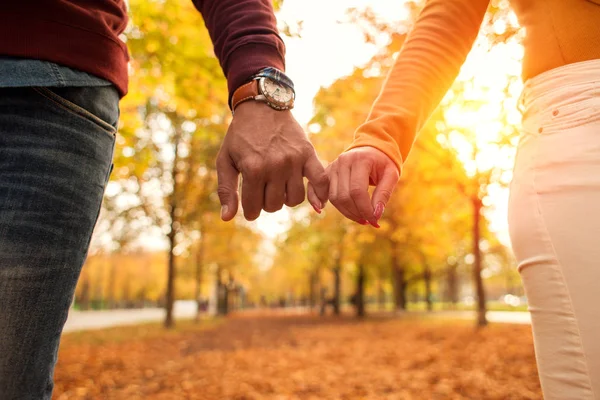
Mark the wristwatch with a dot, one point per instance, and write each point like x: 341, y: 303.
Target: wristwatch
x: 270, y: 86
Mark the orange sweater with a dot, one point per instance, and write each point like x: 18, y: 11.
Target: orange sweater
x: 558, y: 32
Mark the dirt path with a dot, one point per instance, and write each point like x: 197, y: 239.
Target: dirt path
x: 304, y: 357
x: 88, y: 320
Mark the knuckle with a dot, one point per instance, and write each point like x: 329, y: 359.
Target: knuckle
x: 253, y: 169
x: 333, y: 197
x: 221, y: 161
x: 289, y: 159
x: 386, y: 194
x: 345, y: 200
x: 321, y: 180
x: 347, y: 157
x: 307, y: 148
x: 223, y: 192
x: 280, y: 163
x: 356, y: 192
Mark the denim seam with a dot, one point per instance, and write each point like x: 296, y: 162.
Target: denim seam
x: 564, y: 280
x: 73, y: 108
x: 57, y: 75
x: 72, y: 82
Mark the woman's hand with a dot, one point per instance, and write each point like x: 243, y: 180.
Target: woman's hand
x: 349, y: 178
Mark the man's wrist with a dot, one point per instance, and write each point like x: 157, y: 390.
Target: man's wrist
x: 276, y: 75
x: 269, y: 85
x: 258, y: 107
x: 247, y: 60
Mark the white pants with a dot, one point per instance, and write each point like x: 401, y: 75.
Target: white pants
x: 554, y: 219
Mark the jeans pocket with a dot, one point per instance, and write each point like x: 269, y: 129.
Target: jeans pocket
x: 99, y: 105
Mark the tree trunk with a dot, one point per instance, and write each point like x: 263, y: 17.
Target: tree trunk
x: 126, y: 298
x: 510, y: 287
x: 199, y: 270
x: 323, y: 301
x: 222, y: 294
x: 174, y: 225
x: 84, y: 296
x: 225, y: 301
x: 312, y: 292
x: 83, y: 299
x: 399, y: 283
x: 171, y: 273
x: 112, y: 282
x: 231, y: 294
x: 316, y: 288
x: 360, y: 292
x: 221, y: 299
x: 141, y: 300
x: 428, y: 294
x: 480, y: 290
x: 336, y: 287
x: 453, y: 284
x: 98, y: 299
x: 380, y: 294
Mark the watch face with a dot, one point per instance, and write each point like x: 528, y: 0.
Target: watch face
x: 276, y: 93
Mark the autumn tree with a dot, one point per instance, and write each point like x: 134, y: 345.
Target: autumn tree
x: 172, y: 120
x: 436, y: 220
x: 476, y: 120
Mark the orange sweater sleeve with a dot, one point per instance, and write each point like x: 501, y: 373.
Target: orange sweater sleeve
x: 425, y: 69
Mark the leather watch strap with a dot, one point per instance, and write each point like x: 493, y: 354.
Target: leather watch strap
x: 245, y: 92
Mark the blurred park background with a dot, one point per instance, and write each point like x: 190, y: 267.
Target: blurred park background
x: 296, y: 304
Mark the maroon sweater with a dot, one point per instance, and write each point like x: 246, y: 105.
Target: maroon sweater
x: 84, y: 34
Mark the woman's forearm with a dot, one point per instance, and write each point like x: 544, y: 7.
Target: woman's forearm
x: 425, y: 69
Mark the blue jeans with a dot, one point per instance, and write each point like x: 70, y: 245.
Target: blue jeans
x: 56, y: 147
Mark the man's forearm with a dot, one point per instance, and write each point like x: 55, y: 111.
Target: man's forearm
x: 245, y: 37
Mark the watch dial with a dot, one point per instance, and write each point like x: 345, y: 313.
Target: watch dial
x: 278, y: 92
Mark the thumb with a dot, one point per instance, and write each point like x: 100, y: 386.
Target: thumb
x: 384, y: 189
x: 315, y: 172
x: 228, y: 178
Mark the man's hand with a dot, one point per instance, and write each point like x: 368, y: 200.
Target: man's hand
x: 273, y: 154
x: 350, y: 175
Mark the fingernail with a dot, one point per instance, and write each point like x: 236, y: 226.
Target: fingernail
x: 224, y: 210
x: 363, y: 222
x: 317, y: 208
x: 379, y: 209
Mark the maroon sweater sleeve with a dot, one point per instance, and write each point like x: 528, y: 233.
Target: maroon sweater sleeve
x: 245, y: 37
